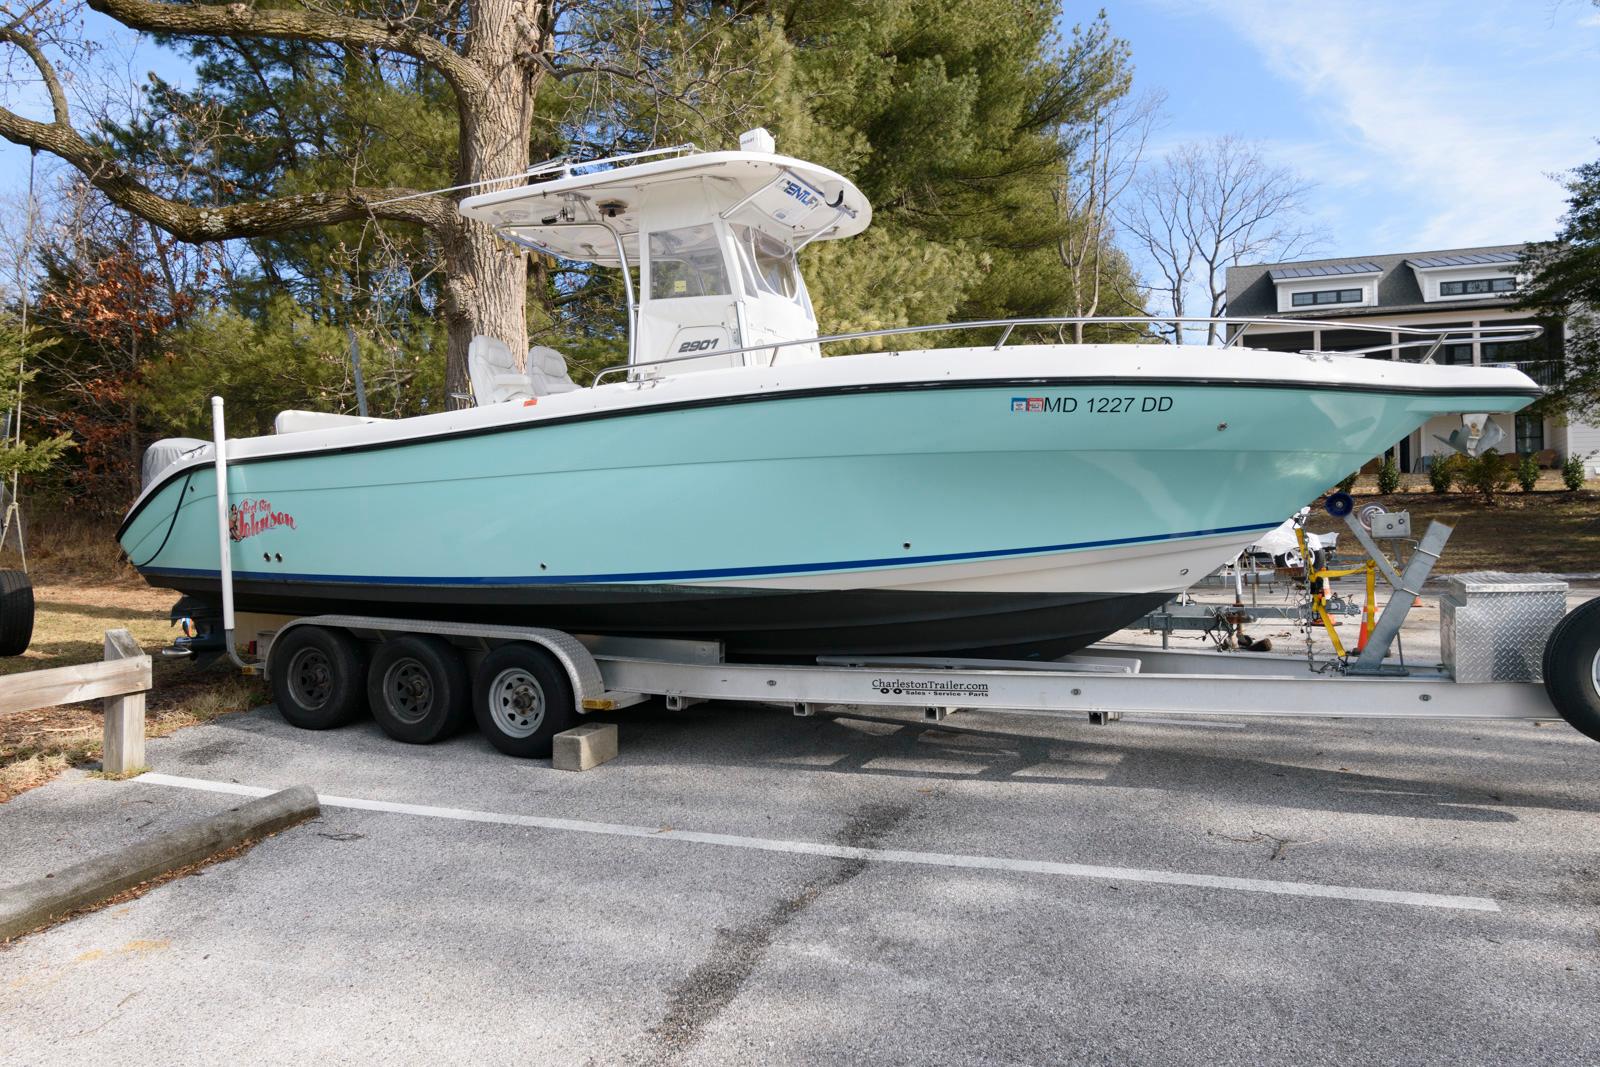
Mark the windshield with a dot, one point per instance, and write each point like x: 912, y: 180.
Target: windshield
x: 687, y: 262
x: 769, y: 265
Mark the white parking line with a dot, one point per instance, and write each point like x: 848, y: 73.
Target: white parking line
x: 875, y: 855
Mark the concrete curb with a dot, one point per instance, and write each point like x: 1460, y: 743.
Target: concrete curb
x: 30, y: 905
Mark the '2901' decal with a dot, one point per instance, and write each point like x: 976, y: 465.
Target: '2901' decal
x: 250, y: 517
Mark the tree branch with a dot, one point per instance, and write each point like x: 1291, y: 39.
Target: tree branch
x: 189, y: 222
x: 241, y: 20
x: 52, y: 83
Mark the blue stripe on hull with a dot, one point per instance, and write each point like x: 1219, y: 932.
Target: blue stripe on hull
x: 719, y: 572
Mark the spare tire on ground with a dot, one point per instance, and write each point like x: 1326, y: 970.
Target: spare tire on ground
x: 16, y: 613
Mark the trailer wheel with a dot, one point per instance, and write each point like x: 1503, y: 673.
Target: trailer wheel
x: 318, y: 677
x: 522, y: 698
x: 16, y: 613
x: 1572, y: 668
x: 418, y: 689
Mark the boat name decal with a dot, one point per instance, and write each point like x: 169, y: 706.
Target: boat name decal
x: 250, y: 517
x: 1095, y: 405
x: 941, y: 687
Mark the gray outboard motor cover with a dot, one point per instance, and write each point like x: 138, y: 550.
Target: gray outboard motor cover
x: 164, y: 453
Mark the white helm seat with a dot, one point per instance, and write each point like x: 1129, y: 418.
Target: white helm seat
x: 494, y: 374
x: 547, y: 369
x: 496, y: 378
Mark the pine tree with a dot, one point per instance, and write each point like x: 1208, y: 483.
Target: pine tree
x: 19, y: 352
x: 1564, y: 283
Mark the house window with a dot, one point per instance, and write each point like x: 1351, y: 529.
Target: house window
x: 1326, y: 296
x: 1530, y: 434
x: 1478, y: 287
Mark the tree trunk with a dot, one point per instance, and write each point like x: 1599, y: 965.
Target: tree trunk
x: 487, y: 287
x: 486, y: 292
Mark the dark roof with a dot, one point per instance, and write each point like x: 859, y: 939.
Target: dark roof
x: 1465, y: 259
x: 1331, y: 270
x: 1252, y: 294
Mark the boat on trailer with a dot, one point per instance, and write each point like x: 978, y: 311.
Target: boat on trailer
x: 996, y: 498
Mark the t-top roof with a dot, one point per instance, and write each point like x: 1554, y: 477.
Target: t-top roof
x: 1467, y: 259
x: 575, y: 216
x: 1332, y: 270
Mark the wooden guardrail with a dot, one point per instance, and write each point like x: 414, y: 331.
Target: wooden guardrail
x: 122, y: 679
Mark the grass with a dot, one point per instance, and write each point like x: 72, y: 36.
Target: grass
x: 67, y: 545
x: 1549, y: 529
x: 81, y: 589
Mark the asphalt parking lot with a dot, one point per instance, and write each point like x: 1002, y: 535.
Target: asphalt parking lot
x: 744, y: 886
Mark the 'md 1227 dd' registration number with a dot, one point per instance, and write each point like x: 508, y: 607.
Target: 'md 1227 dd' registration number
x: 1092, y: 405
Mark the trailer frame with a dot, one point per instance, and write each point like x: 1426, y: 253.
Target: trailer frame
x: 1100, y: 683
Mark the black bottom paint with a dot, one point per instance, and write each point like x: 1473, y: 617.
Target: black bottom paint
x: 752, y: 623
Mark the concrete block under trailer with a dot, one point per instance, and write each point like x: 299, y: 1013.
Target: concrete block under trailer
x: 423, y: 680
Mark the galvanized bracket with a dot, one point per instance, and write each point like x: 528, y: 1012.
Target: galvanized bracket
x: 1360, y: 533
x: 1406, y: 590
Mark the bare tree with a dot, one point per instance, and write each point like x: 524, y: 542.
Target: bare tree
x: 1103, y: 156
x: 1205, y: 207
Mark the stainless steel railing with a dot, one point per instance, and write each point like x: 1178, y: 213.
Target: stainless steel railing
x: 1432, y: 338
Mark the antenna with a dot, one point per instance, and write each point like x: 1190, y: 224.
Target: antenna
x: 758, y: 140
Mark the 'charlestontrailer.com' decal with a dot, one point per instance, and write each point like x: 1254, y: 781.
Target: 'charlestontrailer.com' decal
x: 934, y: 687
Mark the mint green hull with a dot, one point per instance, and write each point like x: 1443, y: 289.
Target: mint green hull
x: 871, y: 490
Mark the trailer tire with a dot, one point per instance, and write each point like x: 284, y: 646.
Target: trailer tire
x: 522, y: 697
x: 16, y: 613
x: 318, y: 677
x: 1572, y: 668
x: 418, y: 689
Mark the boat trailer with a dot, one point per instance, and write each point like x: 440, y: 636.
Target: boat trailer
x: 1510, y: 651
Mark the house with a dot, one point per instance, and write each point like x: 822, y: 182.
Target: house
x: 1458, y: 287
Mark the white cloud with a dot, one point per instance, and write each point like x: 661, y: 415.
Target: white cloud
x: 1454, y: 123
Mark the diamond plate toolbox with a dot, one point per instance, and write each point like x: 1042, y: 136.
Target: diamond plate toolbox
x: 1493, y: 626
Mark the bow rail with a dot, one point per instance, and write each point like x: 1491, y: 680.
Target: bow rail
x: 1432, y: 338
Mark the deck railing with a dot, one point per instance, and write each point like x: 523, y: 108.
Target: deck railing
x: 1430, y: 339
x: 1548, y: 373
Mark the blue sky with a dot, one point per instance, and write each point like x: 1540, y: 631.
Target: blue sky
x: 1424, y: 124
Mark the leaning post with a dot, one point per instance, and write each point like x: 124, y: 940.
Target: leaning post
x: 123, y: 750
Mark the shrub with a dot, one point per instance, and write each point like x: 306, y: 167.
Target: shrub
x: 1572, y: 473
x: 1348, y: 482
x: 1388, y: 476
x: 1442, y: 474
x: 1486, y: 475
x: 1527, y: 473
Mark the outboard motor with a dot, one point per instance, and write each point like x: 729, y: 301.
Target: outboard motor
x: 202, y: 637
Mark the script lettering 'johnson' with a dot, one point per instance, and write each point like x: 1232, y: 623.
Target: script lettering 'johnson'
x: 250, y: 517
